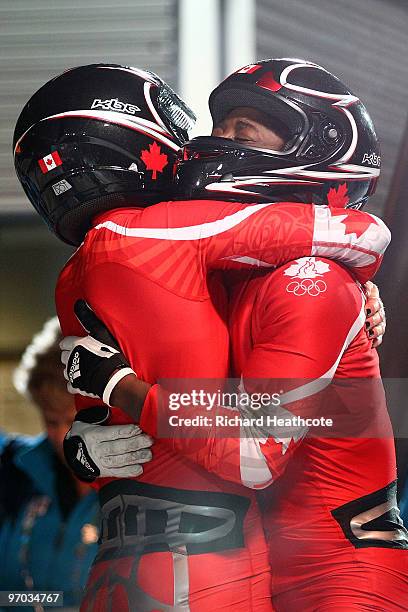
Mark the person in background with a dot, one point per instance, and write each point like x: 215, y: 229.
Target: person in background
x: 48, y: 518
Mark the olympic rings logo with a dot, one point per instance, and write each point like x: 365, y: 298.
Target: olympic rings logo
x: 307, y: 285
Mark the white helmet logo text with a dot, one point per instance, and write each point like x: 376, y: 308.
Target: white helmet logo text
x: 114, y: 104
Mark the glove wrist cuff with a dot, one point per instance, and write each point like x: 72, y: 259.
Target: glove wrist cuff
x: 113, y: 381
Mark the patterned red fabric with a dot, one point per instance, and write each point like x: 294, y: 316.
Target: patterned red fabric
x: 145, y: 274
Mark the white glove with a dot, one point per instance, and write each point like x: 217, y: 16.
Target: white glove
x: 94, y: 451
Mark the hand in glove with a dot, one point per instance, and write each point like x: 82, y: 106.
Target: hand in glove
x: 94, y: 450
x: 94, y: 364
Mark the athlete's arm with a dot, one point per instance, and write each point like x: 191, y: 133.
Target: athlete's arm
x: 297, y: 347
x: 269, y: 235
x: 286, y: 345
x: 298, y: 342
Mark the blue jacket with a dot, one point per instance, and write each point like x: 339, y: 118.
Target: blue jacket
x: 36, y: 543
x: 403, y: 504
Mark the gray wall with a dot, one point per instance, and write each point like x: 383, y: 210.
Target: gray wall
x: 41, y: 38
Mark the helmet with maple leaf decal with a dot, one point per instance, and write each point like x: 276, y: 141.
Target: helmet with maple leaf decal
x: 98, y: 137
x: 331, y: 153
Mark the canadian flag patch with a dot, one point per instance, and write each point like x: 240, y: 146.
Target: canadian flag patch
x: 49, y: 162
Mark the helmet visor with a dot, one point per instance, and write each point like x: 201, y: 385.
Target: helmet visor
x: 177, y: 116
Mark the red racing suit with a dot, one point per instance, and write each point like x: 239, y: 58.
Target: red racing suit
x: 334, y: 534
x: 145, y: 273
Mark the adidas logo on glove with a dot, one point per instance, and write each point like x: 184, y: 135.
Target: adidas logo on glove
x: 74, y: 370
x: 80, y: 456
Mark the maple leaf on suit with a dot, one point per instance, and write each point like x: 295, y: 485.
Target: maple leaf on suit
x: 354, y: 222
x: 154, y: 159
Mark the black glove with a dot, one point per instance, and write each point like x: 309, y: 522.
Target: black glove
x: 94, y: 364
x: 93, y: 449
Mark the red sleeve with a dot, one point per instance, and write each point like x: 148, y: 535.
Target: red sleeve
x: 269, y: 235
x: 228, y: 235
x: 298, y: 341
x: 308, y: 313
x: 116, y: 307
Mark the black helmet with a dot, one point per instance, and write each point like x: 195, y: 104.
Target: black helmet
x: 331, y: 155
x: 98, y: 137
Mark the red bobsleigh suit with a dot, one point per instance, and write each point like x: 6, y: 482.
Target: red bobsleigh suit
x: 332, y: 524
x: 179, y: 537
x: 334, y: 534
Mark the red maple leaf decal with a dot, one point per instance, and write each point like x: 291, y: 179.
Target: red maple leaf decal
x: 355, y: 222
x: 154, y: 159
x: 338, y: 198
